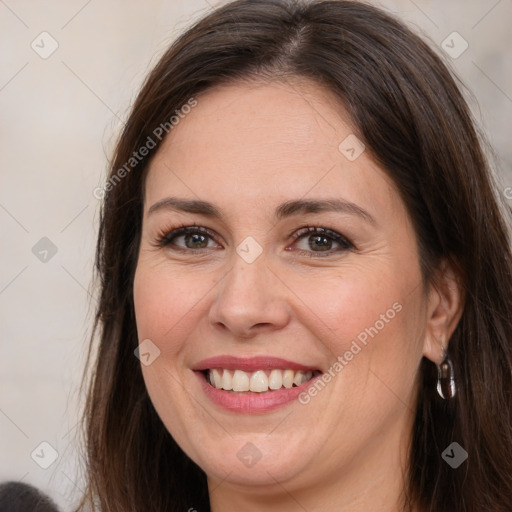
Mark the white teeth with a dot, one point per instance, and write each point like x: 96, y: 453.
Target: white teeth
x: 275, y: 380
x: 227, y: 380
x: 217, y: 379
x: 258, y: 381
x: 297, y: 380
x: 240, y: 381
x: 288, y: 378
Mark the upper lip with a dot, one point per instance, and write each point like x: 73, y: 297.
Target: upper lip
x: 250, y: 363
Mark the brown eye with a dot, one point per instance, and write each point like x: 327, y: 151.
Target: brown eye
x: 321, y: 240
x: 193, y: 238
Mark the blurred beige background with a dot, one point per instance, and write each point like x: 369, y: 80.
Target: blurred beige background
x: 60, y: 113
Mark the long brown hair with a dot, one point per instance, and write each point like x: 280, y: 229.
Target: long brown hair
x: 415, y: 123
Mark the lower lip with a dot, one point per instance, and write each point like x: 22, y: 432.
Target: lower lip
x: 251, y: 402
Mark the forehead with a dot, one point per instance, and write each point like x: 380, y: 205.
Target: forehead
x: 261, y: 143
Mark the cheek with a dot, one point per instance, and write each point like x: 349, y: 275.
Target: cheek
x: 345, y: 303
x: 371, y: 317
x: 375, y: 339
x: 381, y: 347
x: 164, y: 300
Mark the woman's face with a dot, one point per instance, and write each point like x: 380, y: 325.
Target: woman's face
x: 347, y: 301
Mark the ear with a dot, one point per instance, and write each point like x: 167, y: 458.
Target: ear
x: 445, y: 303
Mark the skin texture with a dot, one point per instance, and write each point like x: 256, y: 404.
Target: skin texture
x: 247, y: 148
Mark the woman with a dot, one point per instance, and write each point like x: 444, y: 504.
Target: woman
x: 305, y: 278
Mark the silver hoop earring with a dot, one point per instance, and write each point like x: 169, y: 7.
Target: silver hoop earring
x: 446, y: 379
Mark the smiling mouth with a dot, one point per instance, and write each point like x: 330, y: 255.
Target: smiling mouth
x: 260, y: 381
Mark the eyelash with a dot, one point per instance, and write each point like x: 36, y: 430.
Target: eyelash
x: 164, y: 239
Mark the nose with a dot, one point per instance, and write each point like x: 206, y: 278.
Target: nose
x: 250, y: 300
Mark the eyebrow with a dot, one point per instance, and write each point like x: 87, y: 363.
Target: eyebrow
x: 284, y: 210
